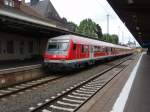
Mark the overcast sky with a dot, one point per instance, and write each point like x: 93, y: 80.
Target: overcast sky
x: 77, y: 10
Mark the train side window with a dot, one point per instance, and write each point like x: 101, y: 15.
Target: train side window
x: 95, y: 48
x: 104, y: 49
x: 101, y: 49
x: 110, y: 49
x: 91, y: 49
x: 86, y: 49
x: 30, y: 46
x: 113, y: 49
x: 74, y: 46
x: 10, y: 46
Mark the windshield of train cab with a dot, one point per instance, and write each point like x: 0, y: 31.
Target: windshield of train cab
x: 58, y: 46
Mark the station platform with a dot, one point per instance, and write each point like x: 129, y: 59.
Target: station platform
x: 14, y: 72
x: 139, y: 96
x: 130, y: 92
x: 19, y: 63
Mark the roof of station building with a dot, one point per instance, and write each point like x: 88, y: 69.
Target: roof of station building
x: 19, y: 20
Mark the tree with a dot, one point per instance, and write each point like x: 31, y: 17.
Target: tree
x: 111, y: 38
x: 115, y: 39
x: 99, y: 31
x: 72, y: 26
x: 87, y: 27
x: 90, y: 28
x: 64, y: 20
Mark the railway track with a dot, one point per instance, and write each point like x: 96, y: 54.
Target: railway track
x: 74, y: 97
x: 28, y: 85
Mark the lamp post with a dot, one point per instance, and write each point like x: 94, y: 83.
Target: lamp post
x: 107, y: 24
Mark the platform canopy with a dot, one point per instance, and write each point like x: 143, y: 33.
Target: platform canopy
x: 136, y: 16
x: 16, y: 21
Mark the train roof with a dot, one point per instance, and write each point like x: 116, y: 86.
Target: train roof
x: 89, y: 41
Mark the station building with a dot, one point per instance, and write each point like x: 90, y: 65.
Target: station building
x: 20, y: 47
x: 24, y: 32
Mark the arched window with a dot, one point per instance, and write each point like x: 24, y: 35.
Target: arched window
x: 21, y: 47
x: 10, y: 46
x: 9, y: 3
x: 30, y: 47
x: 0, y: 47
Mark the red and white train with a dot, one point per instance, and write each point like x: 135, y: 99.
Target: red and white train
x: 73, y: 51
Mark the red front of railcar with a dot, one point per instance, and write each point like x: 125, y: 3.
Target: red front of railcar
x: 57, y: 51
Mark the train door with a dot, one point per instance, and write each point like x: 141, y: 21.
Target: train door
x: 108, y: 51
x: 79, y: 51
x: 75, y: 51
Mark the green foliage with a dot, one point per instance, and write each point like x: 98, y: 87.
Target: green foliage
x: 72, y: 26
x: 115, y: 39
x: 99, y: 31
x: 111, y: 38
x: 87, y: 27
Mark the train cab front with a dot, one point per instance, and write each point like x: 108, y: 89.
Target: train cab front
x: 56, y: 53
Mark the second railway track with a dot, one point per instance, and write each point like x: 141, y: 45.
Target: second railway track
x: 74, y: 97
x: 28, y: 85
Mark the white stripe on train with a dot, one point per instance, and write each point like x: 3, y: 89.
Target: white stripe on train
x: 80, y: 60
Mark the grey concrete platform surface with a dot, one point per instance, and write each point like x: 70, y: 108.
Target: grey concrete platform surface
x: 17, y: 63
x: 14, y: 72
x: 105, y: 99
x: 139, y: 97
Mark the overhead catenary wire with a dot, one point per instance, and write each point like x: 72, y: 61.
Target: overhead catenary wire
x: 103, y: 7
x: 111, y: 17
x: 108, y: 16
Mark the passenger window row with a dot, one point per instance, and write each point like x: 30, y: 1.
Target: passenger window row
x: 103, y: 49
